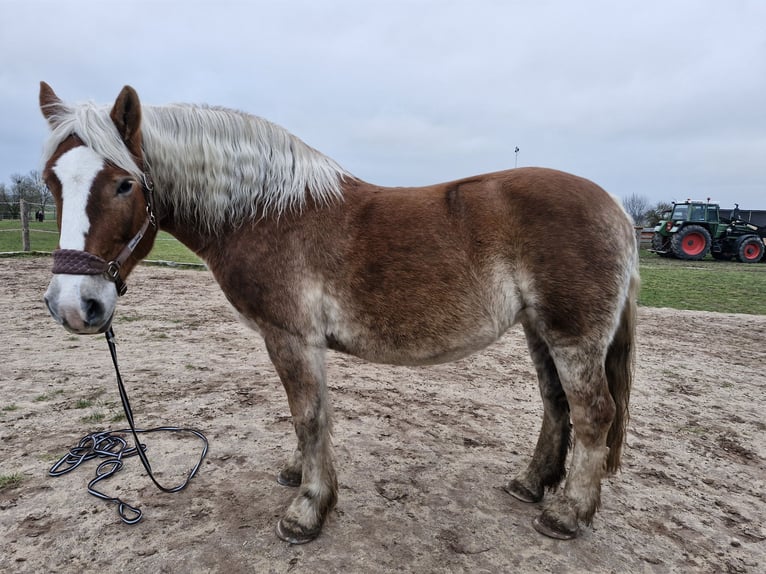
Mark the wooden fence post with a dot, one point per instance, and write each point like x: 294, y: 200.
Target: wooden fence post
x: 24, y: 225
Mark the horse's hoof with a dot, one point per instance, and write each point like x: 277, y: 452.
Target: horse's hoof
x: 521, y: 492
x: 296, y: 537
x: 288, y: 478
x: 553, y: 528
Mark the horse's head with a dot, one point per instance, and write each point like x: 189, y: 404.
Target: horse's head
x: 94, y: 169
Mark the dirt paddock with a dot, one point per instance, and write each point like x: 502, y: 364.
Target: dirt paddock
x: 422, y: 453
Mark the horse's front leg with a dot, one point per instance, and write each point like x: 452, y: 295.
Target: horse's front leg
x: 292, y: 473
x: 301, y: 367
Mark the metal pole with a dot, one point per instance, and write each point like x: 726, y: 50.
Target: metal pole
x: 516, y: 161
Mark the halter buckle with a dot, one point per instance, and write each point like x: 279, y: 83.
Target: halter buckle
x: 112, y: 273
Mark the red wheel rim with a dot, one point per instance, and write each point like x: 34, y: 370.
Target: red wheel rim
x: 694, y: 243
x: 752, y: 251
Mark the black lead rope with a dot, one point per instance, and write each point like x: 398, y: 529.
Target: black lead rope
x: 114, y: 449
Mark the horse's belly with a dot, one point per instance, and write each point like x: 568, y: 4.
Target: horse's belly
x: 413, y: 348
x: 412, y: 331
x: 414, y: 357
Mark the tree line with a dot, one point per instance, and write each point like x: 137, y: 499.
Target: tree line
x: 642, y: 212
x: 30, y: 188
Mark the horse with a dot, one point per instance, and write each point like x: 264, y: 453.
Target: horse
x: 316, y: 259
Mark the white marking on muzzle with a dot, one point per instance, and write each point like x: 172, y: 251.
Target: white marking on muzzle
x: 83, y: 304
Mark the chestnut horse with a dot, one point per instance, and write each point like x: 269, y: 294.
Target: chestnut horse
x: 314, y: 258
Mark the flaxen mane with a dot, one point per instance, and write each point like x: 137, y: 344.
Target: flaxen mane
x: 226, y: 167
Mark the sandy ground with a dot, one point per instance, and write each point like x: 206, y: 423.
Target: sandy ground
x: 422, y: 453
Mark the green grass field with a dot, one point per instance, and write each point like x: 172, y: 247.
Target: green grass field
x: 708, y: 285
x: 168, y: 248
x: 44, y: 237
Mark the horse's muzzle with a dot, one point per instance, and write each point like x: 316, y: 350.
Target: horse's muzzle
x: 82, y: 304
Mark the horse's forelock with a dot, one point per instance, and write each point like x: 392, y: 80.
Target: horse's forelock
x: 93, y: 126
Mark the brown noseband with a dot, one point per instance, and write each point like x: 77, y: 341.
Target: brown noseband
x: 76, y: 262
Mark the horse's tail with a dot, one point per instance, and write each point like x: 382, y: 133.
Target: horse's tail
x: 619, y: 373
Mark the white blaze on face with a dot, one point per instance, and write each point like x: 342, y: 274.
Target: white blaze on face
x: 76, y: 170
x: 82, y: 303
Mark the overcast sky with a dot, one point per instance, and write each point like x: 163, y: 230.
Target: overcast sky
x: 661, y: 98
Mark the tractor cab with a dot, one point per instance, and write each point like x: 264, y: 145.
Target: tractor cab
x: 695, y: 211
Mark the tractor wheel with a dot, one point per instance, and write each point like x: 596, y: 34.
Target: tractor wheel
x: 691, y: 243
x: 660, y: 244
x: 749, y: 249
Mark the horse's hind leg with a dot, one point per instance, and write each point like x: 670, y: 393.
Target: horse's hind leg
x: 547, y: 467
x: 302, y: 371
x: 592, y: 409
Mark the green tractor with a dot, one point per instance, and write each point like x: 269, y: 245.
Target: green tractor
x: 693, y: 229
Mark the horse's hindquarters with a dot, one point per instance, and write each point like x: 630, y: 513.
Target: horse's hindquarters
x: 82, y: 304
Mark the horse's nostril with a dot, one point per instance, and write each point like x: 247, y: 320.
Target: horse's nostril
x: 94, y: 311
x: 51, y: 309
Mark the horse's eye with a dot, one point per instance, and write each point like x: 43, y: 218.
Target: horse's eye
x: 126, y: 186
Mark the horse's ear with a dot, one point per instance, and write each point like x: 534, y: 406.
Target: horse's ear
x: 50, y: 104
x: 126, y: 115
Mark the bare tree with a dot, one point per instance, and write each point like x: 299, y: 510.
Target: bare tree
x: 636, y: 206
x: 6, y: 205
x: 44, y: 194
x: 31, y: 189
x: 654, y: 214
